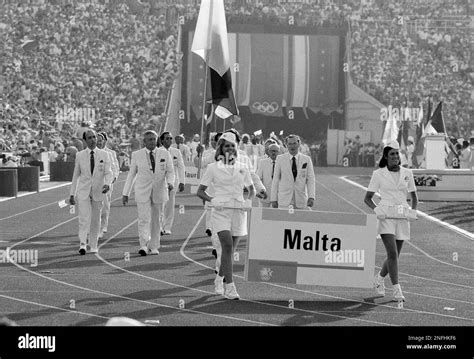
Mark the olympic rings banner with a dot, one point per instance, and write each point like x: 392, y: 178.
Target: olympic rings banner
x: 274, y: 71
x: 311, y: 248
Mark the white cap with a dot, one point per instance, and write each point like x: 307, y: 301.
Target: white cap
x: 393, y: 144
x: 274, y: 146
x: 229, y: 137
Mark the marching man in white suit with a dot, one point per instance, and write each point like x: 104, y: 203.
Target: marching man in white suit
x: 104, y: 217
x: 178, y: 165
x: 293, y: 180
x: 152, y: 171
x: 91, y: 180
x: 266, y: 170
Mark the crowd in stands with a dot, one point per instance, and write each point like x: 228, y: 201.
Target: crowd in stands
x: 121, y: 60
x: 82, y: 55
x: 415, y: 49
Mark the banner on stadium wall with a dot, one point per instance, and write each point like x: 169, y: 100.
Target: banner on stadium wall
x: 311, y: 248
x: 274, y: 71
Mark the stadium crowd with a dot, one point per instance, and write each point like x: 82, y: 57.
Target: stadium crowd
x: 122, y: 62
x: 77, y: 56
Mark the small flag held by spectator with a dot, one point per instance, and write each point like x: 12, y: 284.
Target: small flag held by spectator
x: 258, y: 133
x: 281, y: 133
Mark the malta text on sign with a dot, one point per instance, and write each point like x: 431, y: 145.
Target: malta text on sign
x: 311, y: 247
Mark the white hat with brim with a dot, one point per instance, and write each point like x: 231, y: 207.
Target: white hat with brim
x: 229, y: 137
x: 393, y: 144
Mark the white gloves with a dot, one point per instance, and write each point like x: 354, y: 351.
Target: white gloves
x: 380, y: 212
x: 407, y: 213
x: 218, y: 206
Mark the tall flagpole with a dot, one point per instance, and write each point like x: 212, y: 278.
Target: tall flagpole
x: 204, y: 116
x: 206, y: 65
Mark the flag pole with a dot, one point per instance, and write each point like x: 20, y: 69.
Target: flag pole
x: 206, y: 65
x: 204, y: 115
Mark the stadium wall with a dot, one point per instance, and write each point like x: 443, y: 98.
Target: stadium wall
x: 363, y: 112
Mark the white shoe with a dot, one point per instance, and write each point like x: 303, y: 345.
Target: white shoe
x: 219, y: 285
x: 153, y: 251
x: 166, y: 233
x: 94, y: 250
x: 397, y: 294
x: 231, y: 291
x: 101, y: 234
x: 379, y: 286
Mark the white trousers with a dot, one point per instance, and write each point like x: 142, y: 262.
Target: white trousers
x: 104, y: 217
x: 168, y: 211
x: 149, y: 224
x: 89, y: 221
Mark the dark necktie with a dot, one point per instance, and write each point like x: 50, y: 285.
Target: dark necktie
x: 178, y: 146
x: 293, y: 168
x: 92, y: 162
x: 152, y: 160
x: 273, y: 168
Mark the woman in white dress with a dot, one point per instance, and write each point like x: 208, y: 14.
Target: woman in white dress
x: 229, y: 177
x: 393, y: 182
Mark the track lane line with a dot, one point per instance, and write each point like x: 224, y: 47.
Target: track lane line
x: 106, y: 293
x: 454, y: 228
x: 52, y: 307
x: 168, y: 283
x: 299, y: 309
x: 321, y: 294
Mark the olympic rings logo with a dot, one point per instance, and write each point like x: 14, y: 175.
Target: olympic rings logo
x: 266, y: 107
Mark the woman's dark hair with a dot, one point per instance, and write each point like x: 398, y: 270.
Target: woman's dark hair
x: 220, y: 151
x: 383, y: 160
x: 162, y: 136
x: 217, y: 136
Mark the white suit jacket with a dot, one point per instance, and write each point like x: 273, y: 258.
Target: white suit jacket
x: 284, y: 187
x: 228, y: 181
x: 185, y: 151
x: 83, y: 183
x: 149, y: 185
x: 465, y: 158
x: 264, y: 172
x: 178, y: 166
x: 114, y: 161
x: 247, y: 161
x: 392, y: 193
